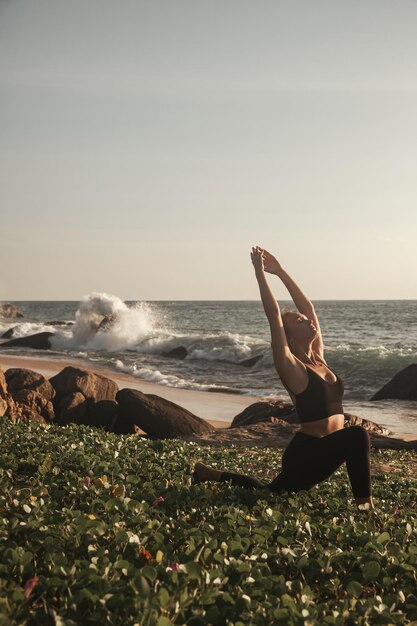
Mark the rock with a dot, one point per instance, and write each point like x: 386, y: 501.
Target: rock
x: 263, y: 411
x: 176, y: 353
x: 39, y: 341
x: 107, y: 322
x: 392, y: 443
x: 353, y: 420
x: 58, y: 323
x: 94, y: 387
x: 20, y: 378
x: 251, y: 362
x: 3, y: 393
x: 84, y: 397
x: 71, y: 408
x: 275, y: 434
x: 103, y: 413
x: 403, y: 386
x: 8, y: 333
x: 36, y: 402
x: 9, y: 310
x: 158, y: 417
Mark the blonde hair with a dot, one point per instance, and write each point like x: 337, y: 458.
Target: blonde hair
x: 284, y: 313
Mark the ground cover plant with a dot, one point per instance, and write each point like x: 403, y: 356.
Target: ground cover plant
x: 97, y: 528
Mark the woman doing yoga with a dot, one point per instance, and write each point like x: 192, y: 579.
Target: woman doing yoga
x: 322, y: 444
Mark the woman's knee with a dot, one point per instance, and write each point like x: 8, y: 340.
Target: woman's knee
x: 360, y: 436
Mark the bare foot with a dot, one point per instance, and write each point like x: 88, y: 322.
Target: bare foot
x: 205, y: 472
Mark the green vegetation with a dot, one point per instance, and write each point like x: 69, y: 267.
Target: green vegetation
x: 97, y: 528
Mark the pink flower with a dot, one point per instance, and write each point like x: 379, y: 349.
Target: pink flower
x: 29, y: 586
x: 158, y: 500
x: 395, y: 508
x: 175, y: 567
x: 87, y: 481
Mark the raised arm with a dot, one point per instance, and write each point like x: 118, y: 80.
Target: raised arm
x: 287, y: 365
x: 303, y: 304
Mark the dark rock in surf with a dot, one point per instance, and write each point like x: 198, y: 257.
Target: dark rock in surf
x: 107, y: 322
x: 40, y: 341
x: 158, y: 417
x: 403, y: 386
x: 176, y: 353
x: 251, y: 362
x: 8, y: 333
x: 264, y: 412
x: 19, y: 378
x: 58, y: 323
x: 9, y: 311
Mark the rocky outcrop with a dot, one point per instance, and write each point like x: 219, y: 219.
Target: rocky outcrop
x: 264, y: 411
x: 39, y: 341
x: 9, y: 311
x: 84, y: 397
x: 403, y: 386
x: 19, y: 378
x: 156, y: 416
x: 372, y: 427
x: 270, y: 411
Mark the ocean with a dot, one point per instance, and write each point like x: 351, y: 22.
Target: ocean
x: 366, y: 343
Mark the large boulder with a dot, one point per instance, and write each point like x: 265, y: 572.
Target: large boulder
x: 94, y: 387
x: 16, y: 411
x: 39, y: 341
x: 156, y: 416
x: 19, y: 378
x: 268, y: 411
x: 9, y: 311
x: 36, y: 402
x: 84, y: 397
x: 403, y: 386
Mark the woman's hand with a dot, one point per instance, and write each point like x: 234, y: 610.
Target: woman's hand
x: 257, y: 259
x: 271, y: 264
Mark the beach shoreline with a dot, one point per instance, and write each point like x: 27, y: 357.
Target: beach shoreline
x: 218, y: 408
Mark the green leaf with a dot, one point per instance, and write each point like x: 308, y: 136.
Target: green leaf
x: 383, y: 537
x: 193, y: 570
x: 371, y: 570
x: 354, y: 588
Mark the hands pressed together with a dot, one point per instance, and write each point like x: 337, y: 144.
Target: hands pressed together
x: 264, y: 260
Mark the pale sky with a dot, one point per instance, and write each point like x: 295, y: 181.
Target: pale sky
x: 146, y: 146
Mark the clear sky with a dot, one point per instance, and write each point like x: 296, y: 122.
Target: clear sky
x: 145, y: 146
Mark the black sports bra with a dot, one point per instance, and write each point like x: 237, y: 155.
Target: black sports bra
x: 320, y: 399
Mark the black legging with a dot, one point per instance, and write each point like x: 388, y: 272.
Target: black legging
x: 309, y: 460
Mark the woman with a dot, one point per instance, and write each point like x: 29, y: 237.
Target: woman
x: 322, y: 444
